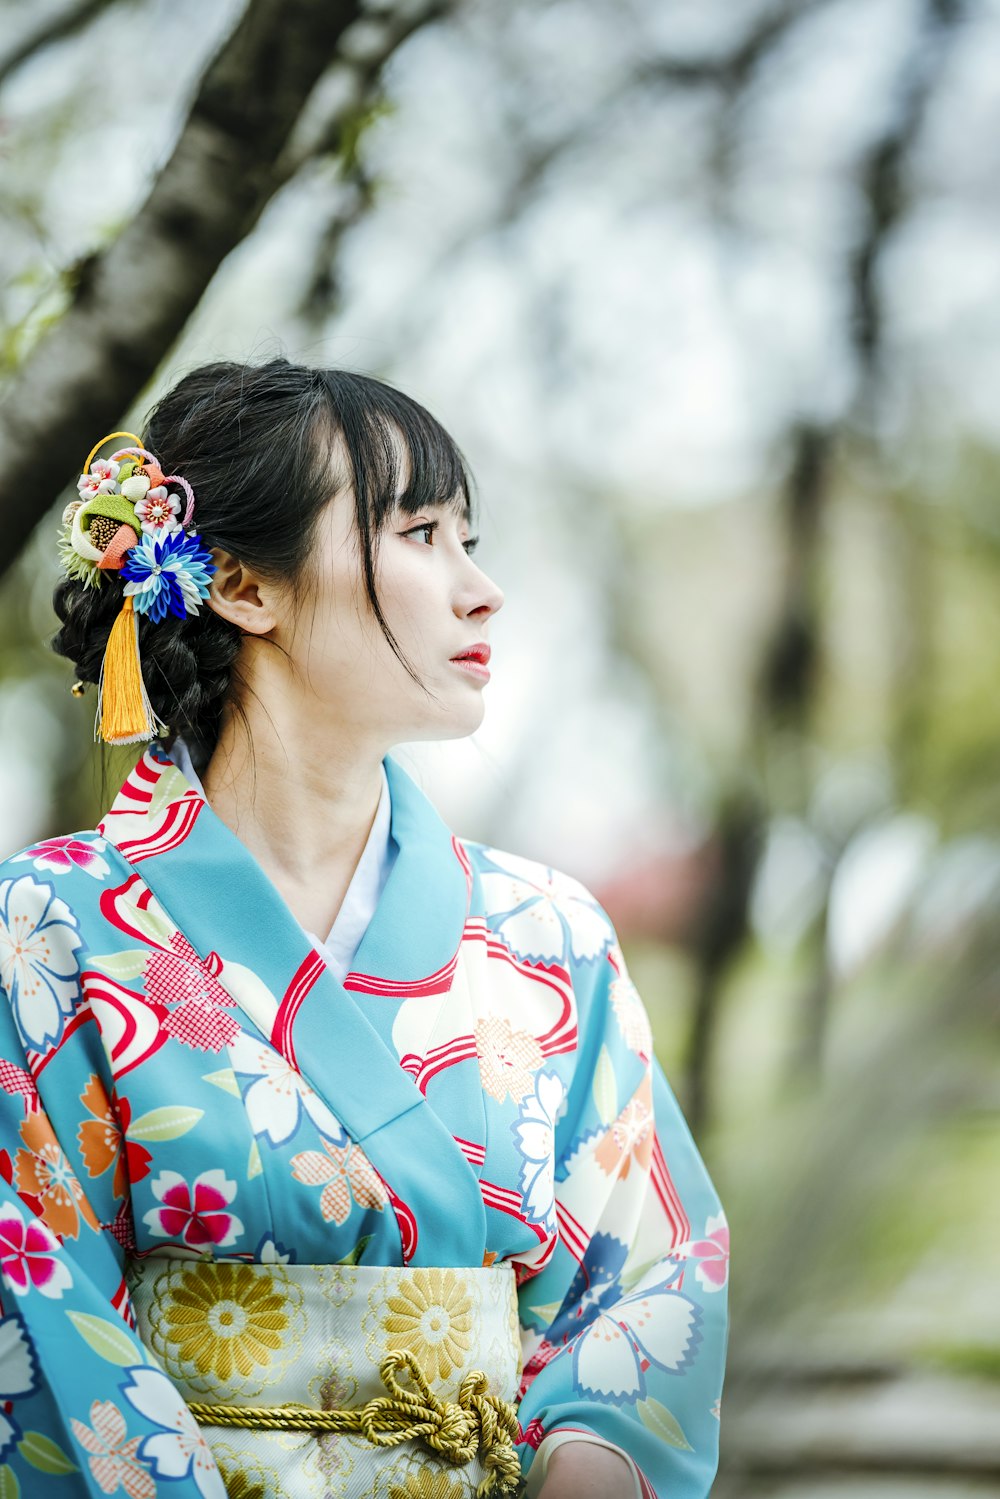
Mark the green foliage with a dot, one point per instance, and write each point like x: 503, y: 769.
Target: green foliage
x: 356, y: 126
x: 971, y: 1360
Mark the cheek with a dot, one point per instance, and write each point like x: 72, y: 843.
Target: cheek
x: 406, y: 592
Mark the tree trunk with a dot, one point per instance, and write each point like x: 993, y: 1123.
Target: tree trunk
x: 131, y: 301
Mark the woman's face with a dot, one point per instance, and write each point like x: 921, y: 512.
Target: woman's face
x: 436, y: 601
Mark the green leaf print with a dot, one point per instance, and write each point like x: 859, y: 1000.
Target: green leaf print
x: 122, y: 965
x: 108, y: 1341
x: 42, y: 1453
x: 355, y: 1255
x: 605, y: 1088
x: 225, y: 1079
x: 657, y: 1419
x: 167, y: 1123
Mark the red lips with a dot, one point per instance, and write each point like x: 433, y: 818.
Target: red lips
x: 479, y: 652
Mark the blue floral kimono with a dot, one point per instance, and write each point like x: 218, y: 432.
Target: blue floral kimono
x: 180, y: 1071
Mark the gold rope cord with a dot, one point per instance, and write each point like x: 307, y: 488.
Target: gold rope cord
x: 457, y: 1430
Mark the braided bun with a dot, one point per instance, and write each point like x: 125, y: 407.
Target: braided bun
x: 187, y: 664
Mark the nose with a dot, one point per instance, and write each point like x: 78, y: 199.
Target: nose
x: 490, y: 597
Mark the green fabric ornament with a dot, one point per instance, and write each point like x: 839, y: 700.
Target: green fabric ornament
x: 114, y: 505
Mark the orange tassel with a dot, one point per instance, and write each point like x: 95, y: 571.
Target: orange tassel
x: 124, y: 711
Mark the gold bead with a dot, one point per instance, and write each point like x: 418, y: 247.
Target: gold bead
x: 102, y: 529
x: 78, y: 689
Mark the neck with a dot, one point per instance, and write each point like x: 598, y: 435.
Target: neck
x: 300, y: 799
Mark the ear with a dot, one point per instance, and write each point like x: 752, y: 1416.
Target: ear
x: 239, y: 596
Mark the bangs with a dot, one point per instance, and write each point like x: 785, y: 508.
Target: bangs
x: 376, y: 421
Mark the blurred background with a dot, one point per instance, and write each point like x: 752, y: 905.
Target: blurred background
x: 709, y: 294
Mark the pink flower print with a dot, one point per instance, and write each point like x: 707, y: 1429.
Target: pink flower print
x: 30, y: 1256
x: 344, y: 1172
x: 100, y: 480
x: 157, y: 511
x: 712, y: 1254
x: 181, y: 978
x: 196, y: 1213
x: 112, y: 1459
x: 60, y: 855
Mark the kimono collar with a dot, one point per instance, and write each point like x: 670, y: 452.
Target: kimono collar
x: 159, y: 821
x: 222, y: 903
x: 340, y: 944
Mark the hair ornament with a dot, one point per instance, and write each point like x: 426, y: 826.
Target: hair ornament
x: 126, y: 522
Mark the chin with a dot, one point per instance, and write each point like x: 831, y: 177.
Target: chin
x: 457, y: 725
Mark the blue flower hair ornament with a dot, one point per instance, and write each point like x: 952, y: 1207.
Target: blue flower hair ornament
x: 128, y: 521
x: 167, y: 574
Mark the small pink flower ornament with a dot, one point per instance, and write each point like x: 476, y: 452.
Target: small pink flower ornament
x: 156, y: 510
x: 100, y: 479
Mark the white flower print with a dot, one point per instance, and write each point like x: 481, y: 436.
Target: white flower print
x: 38, y: 937
x: 534, y: 1133
x: 278, y: 1095
x: 18, y: 1377
x: 655, y: 1324
x: 540, y: 910
x: 178, y: 1449
x: 630, y: 1012
x: 271, y: 1252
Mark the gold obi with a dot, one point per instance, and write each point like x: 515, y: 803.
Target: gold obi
x: 341, y: 1381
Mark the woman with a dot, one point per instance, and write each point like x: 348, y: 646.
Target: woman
x: 428, y: 1156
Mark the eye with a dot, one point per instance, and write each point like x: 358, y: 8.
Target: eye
x: 431, y: 526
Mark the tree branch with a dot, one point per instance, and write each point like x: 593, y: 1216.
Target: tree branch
x: 54, y: 28
x: 132, y: 300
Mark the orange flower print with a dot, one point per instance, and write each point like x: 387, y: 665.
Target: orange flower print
x: 43, y: 1172
x: 630, y: 1136
x: 344, y: 1172
x: 507, y: 1058
x: 100, y: 1137
x: 113, y: 1461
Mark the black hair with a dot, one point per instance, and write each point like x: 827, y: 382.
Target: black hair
x: 257, y: 443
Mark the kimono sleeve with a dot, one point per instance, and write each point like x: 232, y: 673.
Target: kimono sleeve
x: 88, y: 1411
x: 625, y: 1330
